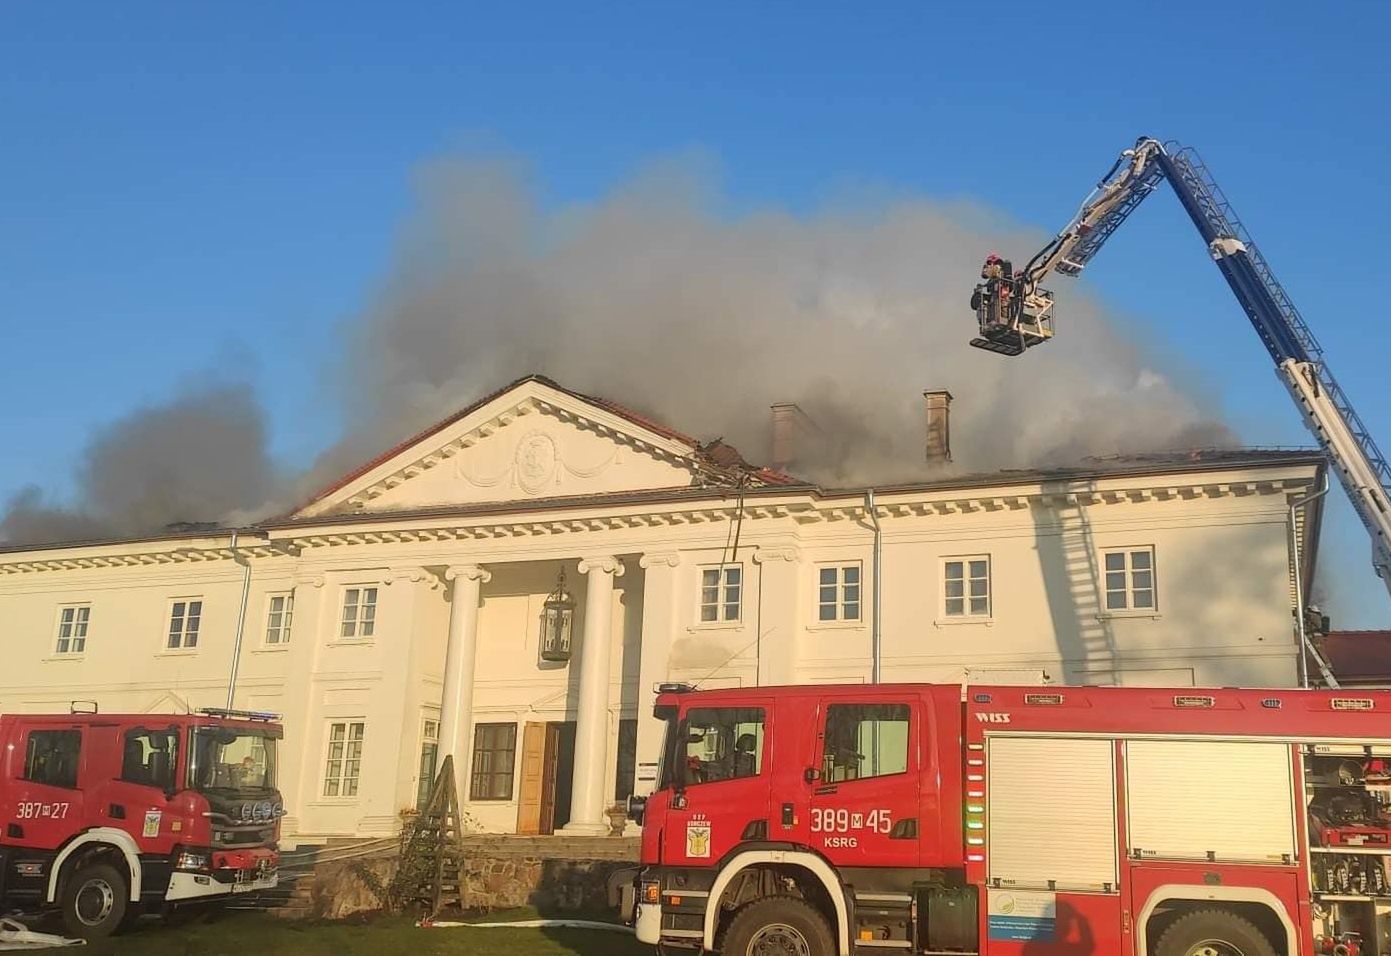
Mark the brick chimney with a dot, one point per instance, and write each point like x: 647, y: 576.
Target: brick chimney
x: 794, y: 434
x: 937, y: 404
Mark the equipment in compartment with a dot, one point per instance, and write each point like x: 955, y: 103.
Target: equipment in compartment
x: 1348, y: 875
x: 1342, y: 810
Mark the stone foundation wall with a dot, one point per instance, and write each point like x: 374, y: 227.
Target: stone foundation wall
x: 554, y: 876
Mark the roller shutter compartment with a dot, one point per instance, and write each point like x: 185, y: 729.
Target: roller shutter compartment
x: 1051, y: 813
x: 1210, y: 800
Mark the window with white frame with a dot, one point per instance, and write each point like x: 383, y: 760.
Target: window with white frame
x: 429, y: 761
x: 359, y: 612
x: 1129, y: 579
x: 838, y: 592
x: 72, y: 628
x: 185, y: 618
x: 343, y: 767
x: 966, y: 586
x: 721, y: 593
x: 280, y: 610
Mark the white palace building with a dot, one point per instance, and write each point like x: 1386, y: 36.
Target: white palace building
x: 510, y: 585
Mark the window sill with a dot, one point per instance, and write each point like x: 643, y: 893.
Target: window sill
x: 64, y: 658
x: 963, y: 619
x: 271, y: 649
x: 1132, y: 615
x: 352, y: 642
x: 179, y: 652
x: 836, y: 626
x: 716, y: 626
x: 335, y: 801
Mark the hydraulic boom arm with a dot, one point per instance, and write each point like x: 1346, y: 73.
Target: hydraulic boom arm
x: 1014, y: 313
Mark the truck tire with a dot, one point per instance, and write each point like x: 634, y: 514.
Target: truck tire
x: 1213, y: 932
x: 94, y: 901
x: 778, y: 926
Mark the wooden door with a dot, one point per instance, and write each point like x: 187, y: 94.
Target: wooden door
x: 530, y: 797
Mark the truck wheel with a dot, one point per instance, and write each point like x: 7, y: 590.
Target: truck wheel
x: 1213, y: 932
x: 778, y: 926
x: 94, y: 901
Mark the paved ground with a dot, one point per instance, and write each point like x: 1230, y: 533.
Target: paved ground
x: 254, y: 934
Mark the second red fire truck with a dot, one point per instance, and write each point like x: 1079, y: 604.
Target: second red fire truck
x: 103, y: 816
x: 1018, y: 821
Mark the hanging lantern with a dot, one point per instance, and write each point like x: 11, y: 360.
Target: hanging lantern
x: 557, y: 618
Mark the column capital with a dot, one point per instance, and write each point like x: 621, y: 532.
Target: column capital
x: 602, y: 562
x: 413, y: 575
x: 781, y: 552
x: 469, y: 572
x: 655, y: 559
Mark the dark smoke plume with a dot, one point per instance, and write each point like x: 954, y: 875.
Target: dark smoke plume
x: 200, y: 458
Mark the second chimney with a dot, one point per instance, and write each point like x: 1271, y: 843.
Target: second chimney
x: 937, y: 404
x: 793, y: 435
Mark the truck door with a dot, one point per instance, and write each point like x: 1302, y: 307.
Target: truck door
x: 864, y: 782
x: 137, y: 801
x: 42, y: 804
x: 721, y: 789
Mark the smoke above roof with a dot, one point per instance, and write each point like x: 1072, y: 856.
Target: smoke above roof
x: 659, y: 296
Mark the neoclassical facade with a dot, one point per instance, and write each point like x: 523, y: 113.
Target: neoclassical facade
x: 399, y: 615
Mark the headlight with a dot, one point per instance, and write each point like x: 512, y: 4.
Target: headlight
x: 651, y: 891
x: 199, y: 861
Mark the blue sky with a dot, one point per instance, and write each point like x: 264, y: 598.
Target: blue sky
x: 188, y: 187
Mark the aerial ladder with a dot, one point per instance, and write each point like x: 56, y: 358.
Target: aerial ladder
x: 1015, y: 313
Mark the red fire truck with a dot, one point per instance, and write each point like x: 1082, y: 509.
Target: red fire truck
x: 1018, y: 821
x: 105, y: 815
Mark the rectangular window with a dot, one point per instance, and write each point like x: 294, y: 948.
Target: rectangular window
x: 721, y: 593
x: 1129, y: 579
x: 51, y: 757
x: 359, y: 612
x: 279, y: 613
x: 838, y: 593
x: 494, y: 756
x: 343, y: 768
x: 149, y: 757
x: 722, y: 743
x: 72, y: 628
x: 966, y: 588
x: 864, y: 740
x: 185, y: 617
x: 429, y: 761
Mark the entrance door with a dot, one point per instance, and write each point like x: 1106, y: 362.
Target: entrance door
x: 532, y: 782
x: 558, y: 769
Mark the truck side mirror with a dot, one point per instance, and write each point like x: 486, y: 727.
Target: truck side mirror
x: 811, y: 775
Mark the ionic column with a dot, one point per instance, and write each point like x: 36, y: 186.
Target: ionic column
x: 456, y: 706
x: 592, y: 726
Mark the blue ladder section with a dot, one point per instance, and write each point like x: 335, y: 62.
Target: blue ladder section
x: 1286, y: 334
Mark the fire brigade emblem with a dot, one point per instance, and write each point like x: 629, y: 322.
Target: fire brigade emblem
x: 698, y: 838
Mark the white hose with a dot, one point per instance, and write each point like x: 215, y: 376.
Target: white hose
x: 537, y: 924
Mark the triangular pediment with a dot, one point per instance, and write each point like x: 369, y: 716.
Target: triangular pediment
x: 532, y: 440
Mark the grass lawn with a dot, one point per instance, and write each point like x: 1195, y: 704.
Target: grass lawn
x: 255, y: 934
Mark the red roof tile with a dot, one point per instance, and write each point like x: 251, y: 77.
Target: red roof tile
x: 1359, y: 657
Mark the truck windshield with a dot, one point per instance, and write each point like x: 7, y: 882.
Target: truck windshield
x: 224, y: 758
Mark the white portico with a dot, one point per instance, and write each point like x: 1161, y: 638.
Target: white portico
x: 402, y: 614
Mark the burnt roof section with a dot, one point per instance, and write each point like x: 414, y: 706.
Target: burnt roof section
x: 776, y: 483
